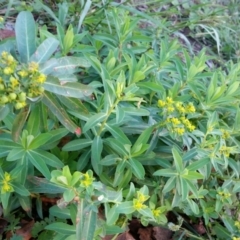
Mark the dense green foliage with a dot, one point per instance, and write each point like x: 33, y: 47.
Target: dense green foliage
x: 111, y: 107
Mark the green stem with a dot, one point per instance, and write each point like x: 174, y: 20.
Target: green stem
x: 108, y: 114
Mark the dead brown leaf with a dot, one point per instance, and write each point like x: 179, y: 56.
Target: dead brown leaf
x: 125, y: 236
x: 25, y: 230
x: 160, y: 233
x: 145, y: 233
x: 3, y: 224
x: 5, y: 33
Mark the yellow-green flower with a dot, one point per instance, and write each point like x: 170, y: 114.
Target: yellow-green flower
x: 225, y: 134
x: 33, y: 67
x: 169, y: 100
x: 141, y: 197
x: 179, y: 131
x: 1, y: 20
x: 23, y: 73
x: 237, y: 224
x: 138, y: 205
x: 87, y: 180
x: 7, y: 70
x: 190, y: 108
x: 236, y: 238
x: 6, y: 187
x: 175, y: 121
x: 4, y: 54
x: 157, y: 212
x: 224, y: 150
x: 41, y: 78
x: 170, y: 109
x: 14, y: 82
x: 161, y: 103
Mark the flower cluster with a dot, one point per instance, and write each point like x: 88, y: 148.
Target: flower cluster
x: 237, y: 224
x: 224, y: 150
x: 223, y: 195
x: 236, y: 238
x: 6, y: 187
x: 175, y: 115
x: 17, y: 82
x: 87, y: 179
x: 138, y: 202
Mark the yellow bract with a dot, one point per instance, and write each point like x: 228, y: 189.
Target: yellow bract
x: 138, y: 205
x: 6, y: 187
x: 87, y: 180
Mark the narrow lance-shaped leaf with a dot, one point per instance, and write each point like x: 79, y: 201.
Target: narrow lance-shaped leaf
x: 4, y: 110
x: 39, y: 164
x: 61, y: 227
x: 25, y: 35
x: 177, y: 159
x: 96, y: 151
x: 60, y: 113
x: 93, y: 121
x: 64, y: 65
x: 45, y: 50
x: 143, y: 138
x: 137, y: 168
x: 85, y: 226
x: 69, y: 89
x: 19, y: 123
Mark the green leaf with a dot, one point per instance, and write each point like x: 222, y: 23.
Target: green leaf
x: 45, y: 50
x: 116, y: 146
x: 60, y: 113
x: 77, y: 144
x: 112, y: 216
x: 73, y: 104
x: 42, y: 185
x: 69, y: 89
x: 109, y: 160
x: 192, y: 175
x: 118, y: 134
x: 18, y: 123
x: 5, y: 199
x: 63, y: 66
x: 83, y: 160
x: 25, y: 35
x: 151, y: 86
x: 146, y: 212
x: 194, y: 207
x: 33, y: 123
x: 85, y: 227
x: 184, y: 189
x: 39, y: 140
x: 20, y: 189
x: 93, y: 121
x: 119, y: 114
x: 137, y: 168
x: 60, y: 227
x: 16, y: 154
x: 125, y: 208
x: 68, y: 195
x: 167, y: 172
x: 48, y: 157
x: 39, y: 163
x: 138, y: 76
x: 177, y: 160
x: 170, y: 184
x: 135, y: 111
x: 143, y: 138
x: 4, y: 111
x: 68, y: 40
x: 96, y: 151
